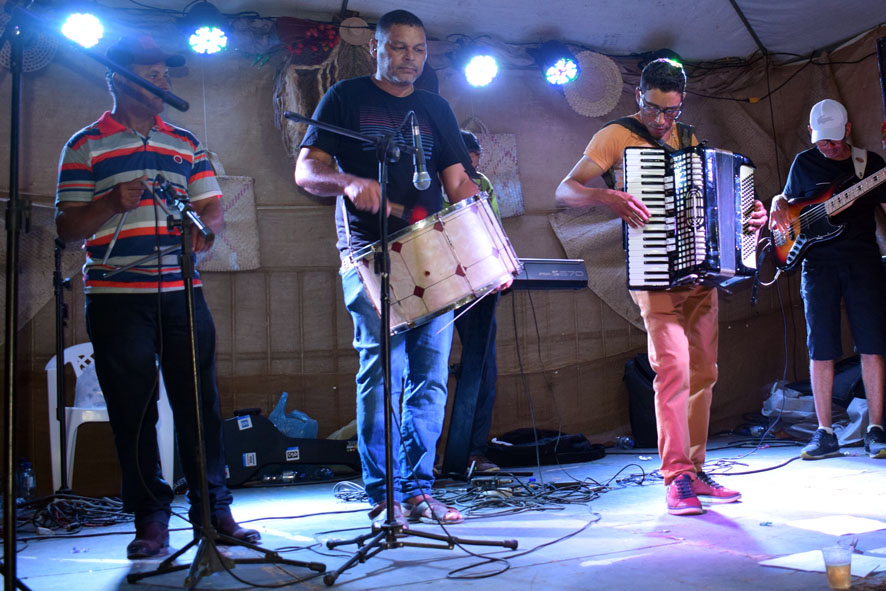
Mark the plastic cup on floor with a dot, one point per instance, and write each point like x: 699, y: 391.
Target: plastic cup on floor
x: 838, y: 562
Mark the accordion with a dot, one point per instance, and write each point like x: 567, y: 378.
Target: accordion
x: 700, y: 200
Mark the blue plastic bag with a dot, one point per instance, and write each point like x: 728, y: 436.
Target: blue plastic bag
x: 294, y: 423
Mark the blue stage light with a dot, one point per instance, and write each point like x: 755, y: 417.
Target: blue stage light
x: 481, y: 70
x: 206, y: 26
x: 83, y: 28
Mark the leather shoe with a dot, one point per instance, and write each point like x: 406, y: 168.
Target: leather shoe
x: 151, y: 539
x: 225, y: 525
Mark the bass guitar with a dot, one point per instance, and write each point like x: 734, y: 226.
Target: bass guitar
x: 810, y: 219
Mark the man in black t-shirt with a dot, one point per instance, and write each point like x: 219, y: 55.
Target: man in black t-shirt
x: 847, y: 267
x: 331, y: 165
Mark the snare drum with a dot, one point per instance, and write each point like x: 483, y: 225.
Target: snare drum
x: 440, y: 263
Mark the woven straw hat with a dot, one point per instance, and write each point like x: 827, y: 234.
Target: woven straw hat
x: 598, y: 88
x: 355, y: 31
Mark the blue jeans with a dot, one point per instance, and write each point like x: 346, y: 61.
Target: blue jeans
x: 476, y: 330
x: 129, y: 332
x: 419, y: 372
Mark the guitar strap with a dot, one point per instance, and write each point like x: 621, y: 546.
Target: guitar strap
x: 860, y: 160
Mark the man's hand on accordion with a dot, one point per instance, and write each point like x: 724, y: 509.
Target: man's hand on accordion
x: 627, y: 207
x: 758, y: 218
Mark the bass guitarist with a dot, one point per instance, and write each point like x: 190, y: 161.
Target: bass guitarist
x: 845, y: 266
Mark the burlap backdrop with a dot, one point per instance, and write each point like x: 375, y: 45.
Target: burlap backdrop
x: 300, y: 87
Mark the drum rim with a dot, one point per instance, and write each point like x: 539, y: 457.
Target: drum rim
x: 481, y: 293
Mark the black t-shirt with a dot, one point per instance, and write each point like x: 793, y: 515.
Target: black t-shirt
x: 812, y: 174
x: 358, y: 104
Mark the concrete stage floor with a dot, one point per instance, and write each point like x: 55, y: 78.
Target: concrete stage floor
x: 620, y: 537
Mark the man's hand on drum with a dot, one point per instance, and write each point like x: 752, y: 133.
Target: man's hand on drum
x: 504, y: 286
x: 627, y: 207
x: 365, y: 194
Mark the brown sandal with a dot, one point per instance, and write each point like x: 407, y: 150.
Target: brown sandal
x: 379, y: 516
x: 427, y: 509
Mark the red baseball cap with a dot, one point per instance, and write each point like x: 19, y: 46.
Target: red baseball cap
x: 142, y: 50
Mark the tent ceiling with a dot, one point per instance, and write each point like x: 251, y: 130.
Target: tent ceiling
x: 695, y: 29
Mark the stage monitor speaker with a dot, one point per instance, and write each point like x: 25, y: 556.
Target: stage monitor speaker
x: 252, y: 442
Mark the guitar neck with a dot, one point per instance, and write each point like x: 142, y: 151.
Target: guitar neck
x: 844, y: 199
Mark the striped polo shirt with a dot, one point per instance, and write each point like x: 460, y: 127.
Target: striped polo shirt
x: 105, y: 154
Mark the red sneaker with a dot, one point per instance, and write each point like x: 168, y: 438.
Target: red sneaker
x: 681, y: 498
x: 704, y: 486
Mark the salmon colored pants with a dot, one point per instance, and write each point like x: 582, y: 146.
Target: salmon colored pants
x: 682, y: 329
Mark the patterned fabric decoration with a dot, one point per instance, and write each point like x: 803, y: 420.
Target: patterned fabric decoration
x: 498, y: 161
x: 237, y: 248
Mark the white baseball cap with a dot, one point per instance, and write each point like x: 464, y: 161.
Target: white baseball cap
x: 828, y: 120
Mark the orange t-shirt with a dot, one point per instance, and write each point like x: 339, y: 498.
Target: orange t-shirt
x: 607, y: 148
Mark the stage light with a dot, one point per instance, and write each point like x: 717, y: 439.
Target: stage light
x: 557, y: 63
x: 207, y: 27
x: 83, y: 28
x: 481, y: 70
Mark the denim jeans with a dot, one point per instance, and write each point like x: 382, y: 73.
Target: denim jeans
x: 419, y: 372
x: 129, y: 332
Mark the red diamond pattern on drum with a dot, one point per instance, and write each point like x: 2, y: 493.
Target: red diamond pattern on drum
x: 460, y: 271
x: 438, y: 226
x: 397, y: 246
x: 418, y: 291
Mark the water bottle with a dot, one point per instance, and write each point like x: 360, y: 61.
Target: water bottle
x: 624, y: 442
x: 26, y: 483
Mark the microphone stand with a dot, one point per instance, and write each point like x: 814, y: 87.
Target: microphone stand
x: 389, y: 535
x: 208, y: 559
x: 60, y: 284
x: 20, y: 21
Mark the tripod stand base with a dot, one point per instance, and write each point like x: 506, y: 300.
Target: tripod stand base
x: 389, y: 536
x: 209, y: 560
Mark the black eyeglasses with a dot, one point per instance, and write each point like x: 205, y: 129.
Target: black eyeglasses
x: 653, y: 110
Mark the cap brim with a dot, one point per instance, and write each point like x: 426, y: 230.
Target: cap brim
x: 828, y: 133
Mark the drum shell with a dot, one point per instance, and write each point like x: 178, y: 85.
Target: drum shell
x: 440, y: 263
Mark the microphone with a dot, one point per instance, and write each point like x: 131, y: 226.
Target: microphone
x: 421, y: 180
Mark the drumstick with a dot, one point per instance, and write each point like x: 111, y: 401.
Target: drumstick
x: 463, y: 312
x: 114, y: 239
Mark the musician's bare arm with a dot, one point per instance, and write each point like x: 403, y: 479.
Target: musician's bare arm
x: 77, y: 221
x: 883, y: 206
x: 457, y: 184
x: 574, y: 192
x: 317, y: 173
x: 211, y: 214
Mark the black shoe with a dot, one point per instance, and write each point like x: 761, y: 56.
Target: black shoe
x: 822, y: 445
x: 875, y: 443
x: 151, y: 539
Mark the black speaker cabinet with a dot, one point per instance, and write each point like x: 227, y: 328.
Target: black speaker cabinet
x: 252, y: 442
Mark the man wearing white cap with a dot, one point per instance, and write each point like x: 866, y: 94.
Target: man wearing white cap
x: 846, y: 267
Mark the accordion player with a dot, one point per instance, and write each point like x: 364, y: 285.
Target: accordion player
x: 700, y: 200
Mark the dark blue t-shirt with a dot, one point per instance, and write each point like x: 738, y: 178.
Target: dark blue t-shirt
x: 358, y: 104
x: 811, y: 174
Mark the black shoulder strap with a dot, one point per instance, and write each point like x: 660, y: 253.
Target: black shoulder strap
x: 684, y: 134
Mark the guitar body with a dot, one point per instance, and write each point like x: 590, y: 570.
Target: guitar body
x: 809, y: 224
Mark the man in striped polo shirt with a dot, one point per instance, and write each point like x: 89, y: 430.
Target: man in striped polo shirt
x: 107, y: 174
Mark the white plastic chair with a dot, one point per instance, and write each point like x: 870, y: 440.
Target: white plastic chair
x: 80, y: 357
